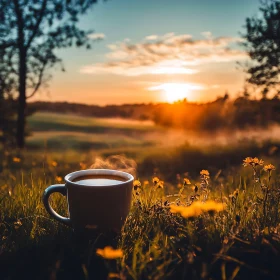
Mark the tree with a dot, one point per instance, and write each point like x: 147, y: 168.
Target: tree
x: 262, y: 41
x: 31, y: 30
x: 7, y: 104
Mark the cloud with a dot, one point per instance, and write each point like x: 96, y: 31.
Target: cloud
x: 167, y: 54
x: 151, y: 37
x: 97, y: 36
x: 207, y: 34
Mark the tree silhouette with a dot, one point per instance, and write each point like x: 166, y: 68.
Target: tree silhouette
x: 262, y: 41
x: 7, y: 104
x: 31, y: 31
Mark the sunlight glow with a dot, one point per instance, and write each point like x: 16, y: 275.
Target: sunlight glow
x: 177, y: 91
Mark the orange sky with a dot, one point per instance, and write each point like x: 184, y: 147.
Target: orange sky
x: 188, y: 50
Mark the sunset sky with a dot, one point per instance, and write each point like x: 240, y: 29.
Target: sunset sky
x: 155, y: 51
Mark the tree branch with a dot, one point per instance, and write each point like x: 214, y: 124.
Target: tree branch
x: 36, y: 27
x: 39, y: 81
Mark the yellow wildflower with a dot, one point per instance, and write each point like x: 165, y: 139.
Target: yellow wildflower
x: 136, y: 184
x: 247, y: 161
x: 109, y: 253
x: 58, y: 178
x: 160, y: 184
x: 54, y: 163
x: 269, y: 167
x: 212, y: 205
x: 252, y: 161
x: 155, y: 180
x: 187, y: 212
x: 197, y: 208
x: 187, y: 181
x: 205, y: 173
x: 257, y: 161
x: 16, y: 159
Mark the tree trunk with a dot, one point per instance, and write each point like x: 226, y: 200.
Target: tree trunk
x: 21, y: 100
x: 22, y: 77
x: 22, y: 81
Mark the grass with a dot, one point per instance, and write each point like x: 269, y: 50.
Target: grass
x: 54, y: 132
x: 240, y: 242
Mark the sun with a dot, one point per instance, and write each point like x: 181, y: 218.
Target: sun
x: 175, y: 91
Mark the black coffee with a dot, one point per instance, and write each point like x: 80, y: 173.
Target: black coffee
x: 99, y: 180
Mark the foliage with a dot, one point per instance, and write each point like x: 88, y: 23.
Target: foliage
x: 219, y: 115
x: 30, y: 33
x: 7, y: 104
x: 262, y: 41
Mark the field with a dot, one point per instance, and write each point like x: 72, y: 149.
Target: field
x: 156, y: 150
x: 187, y: 224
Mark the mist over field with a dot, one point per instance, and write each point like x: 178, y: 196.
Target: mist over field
x: 46, y: 126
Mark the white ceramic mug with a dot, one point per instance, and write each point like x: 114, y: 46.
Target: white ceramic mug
x: 105, y: 207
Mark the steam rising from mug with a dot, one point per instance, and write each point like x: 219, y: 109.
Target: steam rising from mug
x: 116, y: 162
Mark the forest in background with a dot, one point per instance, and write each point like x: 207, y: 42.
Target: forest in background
x: 223, y: 113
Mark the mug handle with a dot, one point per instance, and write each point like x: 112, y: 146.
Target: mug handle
x: 60, y: 188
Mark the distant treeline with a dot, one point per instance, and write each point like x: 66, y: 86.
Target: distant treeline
x: 136, y: 111
x: 223, y: 113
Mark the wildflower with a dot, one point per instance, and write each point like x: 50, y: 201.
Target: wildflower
x: 247, y: 161
x: 155, y: 180
x: 16, y: 159
x: 136, y: 184
x: 211, y: 205
x: 257, y: 161
x: 187, y: 212
x: 54, y: 163
x: 252, y: 161
x: 58, y: 179
x: 205, y: 173
x: 269, y: 168
x: 146, y: 183
x: 197, y: 208
x: 109, y: 253
x: 160, y: 184
x: 187, y: 181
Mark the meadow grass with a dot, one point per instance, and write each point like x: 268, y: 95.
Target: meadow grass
x: 158, y: 240
x: 56, y: 132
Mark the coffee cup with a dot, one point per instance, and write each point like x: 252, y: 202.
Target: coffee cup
x: 97, y: 198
